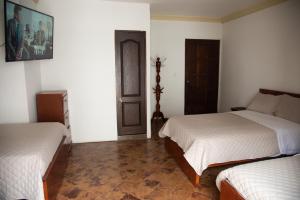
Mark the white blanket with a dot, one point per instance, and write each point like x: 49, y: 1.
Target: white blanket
x: 277, y: 179
x: 288, y: 133
x: 25, y: 153
x: 223, y: 137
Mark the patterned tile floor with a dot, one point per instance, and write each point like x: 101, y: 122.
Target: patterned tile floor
x: 130, y: 170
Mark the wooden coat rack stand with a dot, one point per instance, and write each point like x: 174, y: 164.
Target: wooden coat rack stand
x: 157, y: 91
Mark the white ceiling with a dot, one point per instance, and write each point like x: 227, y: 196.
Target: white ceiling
x: 207, y: 8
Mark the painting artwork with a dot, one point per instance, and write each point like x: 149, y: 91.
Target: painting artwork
x: 28, y: 33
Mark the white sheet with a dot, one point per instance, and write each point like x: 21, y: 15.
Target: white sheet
x: 25, y: 153
x: 277, y: 179
x: 288, y: 133
x: 218, y: 138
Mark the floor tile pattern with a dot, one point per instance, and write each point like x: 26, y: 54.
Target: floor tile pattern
x: 130, y: 170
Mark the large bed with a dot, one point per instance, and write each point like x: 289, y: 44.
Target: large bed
x: 198, y: 142
x: 33, y: 158
x: 276, y: 179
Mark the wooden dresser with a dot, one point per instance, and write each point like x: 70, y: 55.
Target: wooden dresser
x: 52, y: 106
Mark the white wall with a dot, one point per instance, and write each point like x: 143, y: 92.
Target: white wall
x: 33, y: 86
x: 19, y: 81
x: 84, y: 61
x: 13, y: 100
x: 168, y: 41
x: 261, y: 50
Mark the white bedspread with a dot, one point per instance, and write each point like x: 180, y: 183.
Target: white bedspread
x: 288, y: 133
x: 25, y: 153
x: 223, y: 137
x: 277, y: 179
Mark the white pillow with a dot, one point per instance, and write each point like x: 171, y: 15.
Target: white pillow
x: 264, y: 103
x: 289, y: 108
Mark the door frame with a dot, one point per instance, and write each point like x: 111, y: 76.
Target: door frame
x: 146, y: 82
x: 219, y: 70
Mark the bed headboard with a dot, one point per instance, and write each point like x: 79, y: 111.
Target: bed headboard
x: 274, y: 92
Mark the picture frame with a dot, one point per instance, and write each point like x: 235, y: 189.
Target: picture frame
x: 28, y: 33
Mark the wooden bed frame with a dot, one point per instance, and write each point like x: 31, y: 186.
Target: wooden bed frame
x: 274, y: 92
x: 177, y: 153
x: 228, y: 192
x: 54, y: 174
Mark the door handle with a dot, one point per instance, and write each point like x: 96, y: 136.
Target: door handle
x: 188, y: 82
x: 120, y: 99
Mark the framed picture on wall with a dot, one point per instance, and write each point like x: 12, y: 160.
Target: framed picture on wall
x: 28, y: 33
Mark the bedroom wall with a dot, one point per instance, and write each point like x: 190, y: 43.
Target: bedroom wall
x: 168, y: 41
x: 13, y: 101
x: 19, y: 81
x: 261, y: 50
x: 33, y: 85
x: 84, y: 61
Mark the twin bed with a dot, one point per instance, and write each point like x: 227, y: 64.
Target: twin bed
x: 275, y: 179
x: 33, y: 159
x: 198, y: 142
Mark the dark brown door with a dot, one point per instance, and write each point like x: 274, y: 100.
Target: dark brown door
x: 130, y: 49
x: 201, y: 76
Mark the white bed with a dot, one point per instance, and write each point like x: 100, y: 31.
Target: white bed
x: 276, y: 179
x: 25, y: 153
x: 223, y: 137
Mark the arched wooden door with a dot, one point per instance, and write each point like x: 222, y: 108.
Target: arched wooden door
x: 130, y: 49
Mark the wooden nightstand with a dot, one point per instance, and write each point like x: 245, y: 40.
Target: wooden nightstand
x: 238, y: 108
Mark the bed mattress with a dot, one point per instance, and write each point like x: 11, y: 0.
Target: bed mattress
x: 277, y: 179
x: 223, y: 137
x: 26, y: 151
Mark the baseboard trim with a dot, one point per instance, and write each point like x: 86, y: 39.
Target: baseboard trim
x: 132, y: 137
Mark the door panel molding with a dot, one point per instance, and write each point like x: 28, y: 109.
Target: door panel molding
x: 125, y: 122
x: 124, y: 67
